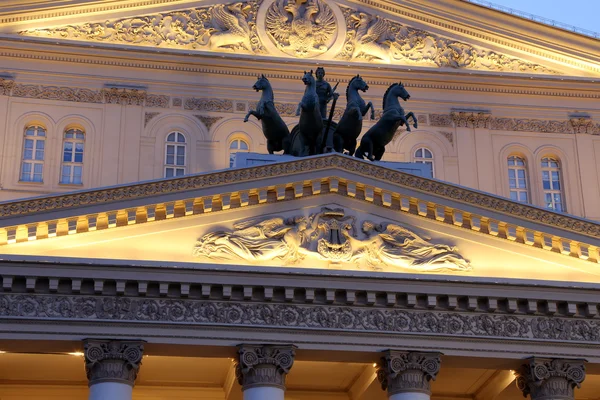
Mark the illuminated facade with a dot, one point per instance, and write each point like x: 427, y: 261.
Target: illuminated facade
x: 151, y: 259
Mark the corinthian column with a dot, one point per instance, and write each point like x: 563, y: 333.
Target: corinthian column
x: 111, y: 367
x: 406, y: 375
x: 550, y: 379
x: 261, y: 370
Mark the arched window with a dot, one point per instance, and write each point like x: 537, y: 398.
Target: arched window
x: 237, y: 146
x: 175, y: 152
x: 424, y: 156
x: 552, y: 184
x: 72, y: 160
x: 517, y: 179
x: 32, y: 163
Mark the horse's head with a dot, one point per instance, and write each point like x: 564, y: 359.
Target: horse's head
x: 400, y: 91
x: 358, y: 83
x: 308, y: 78
x: 261, y: 84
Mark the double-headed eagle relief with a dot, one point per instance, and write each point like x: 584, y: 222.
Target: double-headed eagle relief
x: 301, y: 28
x: 330, y: 235
x: 294, y: 28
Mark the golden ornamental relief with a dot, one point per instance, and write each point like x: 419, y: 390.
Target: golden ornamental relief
x: 294, y: 28
x: 375, y: 39
x: 330, y: 235
x: 301, y: 28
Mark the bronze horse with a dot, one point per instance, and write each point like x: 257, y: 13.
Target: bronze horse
x: 350, y: 124
x: 309, y: 132
x: 275, y: 130
x: 372, y: 144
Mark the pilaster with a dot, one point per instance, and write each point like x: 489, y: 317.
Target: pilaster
x: 550, y: 379
x: 407, y: 374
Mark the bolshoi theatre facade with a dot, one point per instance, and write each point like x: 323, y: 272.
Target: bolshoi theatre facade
x: 152, y: 249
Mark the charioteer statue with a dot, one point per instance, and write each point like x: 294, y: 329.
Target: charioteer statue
x: 317, y: 133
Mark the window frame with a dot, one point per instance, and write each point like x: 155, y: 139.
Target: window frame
x: 175, y: 166
x: 33, y: 162
x: 517, y: 189
x: 552, y: 191
x: 73, y: 164
x: 238, y: 140
x: 423, y: 159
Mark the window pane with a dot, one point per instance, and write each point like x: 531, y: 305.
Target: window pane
x: 180, y: 150
x: 170, y: 149
x: 511, y: 173
x: 419, y: 153
x: 180, y: 172
x: 39, y: 155
x: 523, y: 197
x: 234, y: 144
x: 427, y: 153
x: 79, y: 135
x: 28, y: 144
x: 26, y: 168
x: 169, y: 172
x: 170, y: 160
x: 514, y: 196
x: 28, y: 154
x: 37, y: 177
x: 37, y: 168
x: 171, y: 137
x: 512, y: 183
x: 522, y: 184
x: 180, y: 160
x: 180, y: 138
x: 243, y: 145
x: 521, y: 173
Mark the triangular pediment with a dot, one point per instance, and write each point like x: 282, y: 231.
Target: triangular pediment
x: 318, y: 30
x: 324, y: 212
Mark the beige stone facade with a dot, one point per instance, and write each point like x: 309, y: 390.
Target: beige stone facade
x: 324, y: 277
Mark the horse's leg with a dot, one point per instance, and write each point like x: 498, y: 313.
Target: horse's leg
x: 252, y: 112
x: 370, y: 106
x: 298, y: 109
x: 405, y: 122
x: 412, y: 115
x: 352, y: 147
x: 369, y: 149
x: 270, y: 147
x: 358, y: 111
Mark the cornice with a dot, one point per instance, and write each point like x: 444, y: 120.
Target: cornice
x: 25, y: 220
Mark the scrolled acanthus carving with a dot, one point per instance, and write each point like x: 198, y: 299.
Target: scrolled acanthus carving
x: 229, y: 27
x: 546, y: 379
x: 329, y: 235
x: 373, y: 38
x: 112, y: 360
x: 131, y: 97
x: 264, y: 365
x: 6, y: 86
x: 400, y: 372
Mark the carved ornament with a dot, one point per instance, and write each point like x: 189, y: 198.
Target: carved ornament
x: 6, y: 86
x: 408, y: 372
x: 148, y: 117
x: 157, y: 101
x: 333, y: 236
x: 328, y: 317
x: 57, y: 93
x: 125, y: 97
x: 202, y: 104
x: 208, y: 121
x: 373, y: 38
x: 550, y: 379
x: 264, y: 365
x: 449, y: 136
x: 301, y: 29
x: 443, y: 120
x: 585, y: 125
x: 112, y: 361
x: 471, y: 119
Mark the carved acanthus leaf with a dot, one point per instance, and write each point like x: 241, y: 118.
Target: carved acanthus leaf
x: 547, y: 379
x: 57, y: 93
x: 6, y: 86
x: 112, y: 361
x: 400, y: 372
x: 148, y: 116
x: 264, y: 365
x: 202, y: 104
x: 157, y: 101
x: 373, y: 38
x: 218, y: 27
x: 208, y: 121
x: 131, y: 97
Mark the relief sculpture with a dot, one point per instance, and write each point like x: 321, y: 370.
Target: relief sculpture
x: 330, y: 235
x: 301, y: 28
x: 372, y: 38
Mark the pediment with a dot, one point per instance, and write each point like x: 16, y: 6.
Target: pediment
x: 318, y: 30
x: 327, y: 212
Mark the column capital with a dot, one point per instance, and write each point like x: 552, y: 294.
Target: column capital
x: 112, y: 360
x: 264, y: 365
x: 402, y: 371
x: 550, y: 378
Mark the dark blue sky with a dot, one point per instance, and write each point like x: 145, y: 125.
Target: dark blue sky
x: 581, y: 13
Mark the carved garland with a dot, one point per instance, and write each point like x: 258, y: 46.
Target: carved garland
x: 321, y: 317
x: 365, y: 169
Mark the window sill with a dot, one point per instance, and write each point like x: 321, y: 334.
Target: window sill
x: 70, y: 184
x: 30, y: 183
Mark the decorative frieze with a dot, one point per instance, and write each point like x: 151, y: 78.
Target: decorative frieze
x: 125, y: 97
x: 78, y: 95
x: 550, y: 379
x: 157, y: 101
x: 585, y: 125
x: 530, y: 125
x: 408, y: 372
x: 112, y: 360
x: 208, y: 121
x: 202, y: 104
x: 471, y: 119
x: 442, y: 120
x: 264, y: 365
x: 370, y: 318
